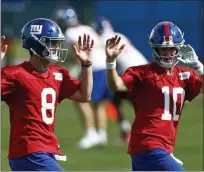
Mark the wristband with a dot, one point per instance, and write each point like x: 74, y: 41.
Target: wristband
x: 86, y: 65
x: 111, y: 65
x: 200, y: 70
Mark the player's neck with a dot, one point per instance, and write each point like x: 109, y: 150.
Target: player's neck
x: 169, y: 71
x: 75, y: 24
x: 38, y: 63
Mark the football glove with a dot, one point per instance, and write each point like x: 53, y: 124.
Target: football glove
x: 189, y: 59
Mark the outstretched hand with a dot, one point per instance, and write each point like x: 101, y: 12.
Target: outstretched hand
x: 4, y: 47
x: 83, y: 49
x: 188, y: 57
x: 112, y: 50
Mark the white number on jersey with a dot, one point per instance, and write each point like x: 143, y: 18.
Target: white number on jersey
x: 167, y: 115
x: 46, y: 105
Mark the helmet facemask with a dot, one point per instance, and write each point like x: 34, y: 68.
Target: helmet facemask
x: 53, y: 50
x: 166, y: 61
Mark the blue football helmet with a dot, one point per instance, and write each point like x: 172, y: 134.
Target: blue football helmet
x: 44, y: 38
x: 66, y: 17
x: 165, y: 35
x: 102, y: 24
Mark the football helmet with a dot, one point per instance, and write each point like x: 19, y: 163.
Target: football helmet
x: 44, y: 38
x: 166, y: 35
x: 102, y: 24
x: 66, y: 17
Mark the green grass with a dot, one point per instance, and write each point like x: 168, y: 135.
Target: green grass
x: 189, y: 146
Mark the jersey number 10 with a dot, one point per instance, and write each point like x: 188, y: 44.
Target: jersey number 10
x: 167, y: 115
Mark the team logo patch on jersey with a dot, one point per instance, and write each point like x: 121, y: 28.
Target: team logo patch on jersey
x: 36, y: 29
x: 58, y: 76
x: 184, y: 75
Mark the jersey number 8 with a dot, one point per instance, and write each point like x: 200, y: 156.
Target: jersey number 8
x: 45, y: 105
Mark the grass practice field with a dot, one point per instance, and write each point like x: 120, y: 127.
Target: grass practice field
x: 189, y: 145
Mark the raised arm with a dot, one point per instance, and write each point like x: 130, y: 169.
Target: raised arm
x: 82, y: 51
x: 114, y: 82
x: 190, y: 59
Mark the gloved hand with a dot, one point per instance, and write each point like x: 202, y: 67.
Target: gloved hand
x: 189, y: 59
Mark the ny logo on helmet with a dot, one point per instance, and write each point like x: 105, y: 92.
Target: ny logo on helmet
x: 36, y: 29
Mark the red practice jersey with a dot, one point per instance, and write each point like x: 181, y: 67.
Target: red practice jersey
x: 158, y: 101
x: 32, y: 99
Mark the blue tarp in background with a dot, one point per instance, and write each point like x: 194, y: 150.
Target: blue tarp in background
x: 136, y: 19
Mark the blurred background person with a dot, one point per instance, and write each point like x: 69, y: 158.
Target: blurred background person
x: 94, y: 136
x: 130, y: 56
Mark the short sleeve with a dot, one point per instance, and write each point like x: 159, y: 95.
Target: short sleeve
x: 8, y: 82
x: 130, y: 77
x: 193, y: 85
x: 69, y: 86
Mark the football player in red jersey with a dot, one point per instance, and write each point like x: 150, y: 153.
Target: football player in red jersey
x: 158, y: 91
x: 33, y: 89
